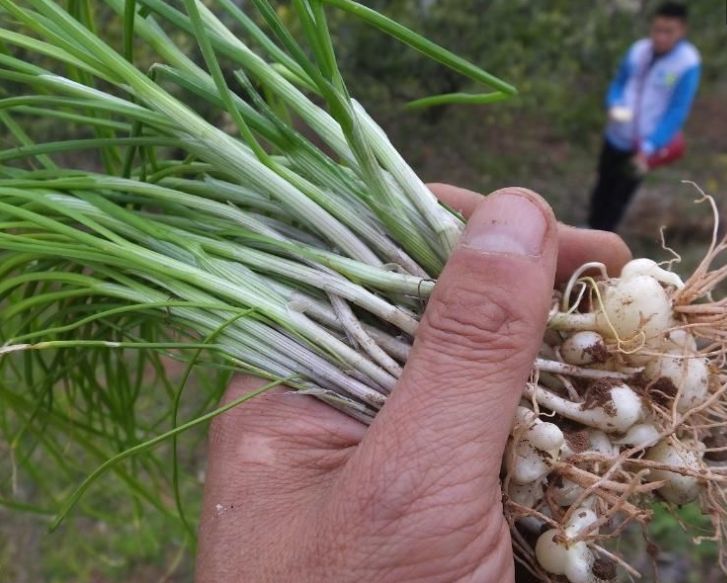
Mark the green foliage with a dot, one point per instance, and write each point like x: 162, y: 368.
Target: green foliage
x: 667, y: 545
x: 126, y: 527
x: 672, y: 536
x: 558, y: 53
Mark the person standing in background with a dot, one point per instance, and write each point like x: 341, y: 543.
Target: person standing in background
x: 648, y: 103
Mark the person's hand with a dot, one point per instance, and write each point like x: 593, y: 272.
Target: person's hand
x: 296, y: 491
x: 640, y: 163
x: 620, y: 114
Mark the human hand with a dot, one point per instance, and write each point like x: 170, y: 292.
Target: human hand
x: 640, y: 163
x: 296, y: 491
x: 620, y: 114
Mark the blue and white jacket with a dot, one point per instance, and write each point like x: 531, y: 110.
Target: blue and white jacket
x: 659, y: 91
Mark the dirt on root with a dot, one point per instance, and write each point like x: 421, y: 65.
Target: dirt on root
x: 578, y: 440
x: 599, y: 395
x: 598, y: 352
x: 661, y: 391
x: 604, y: 569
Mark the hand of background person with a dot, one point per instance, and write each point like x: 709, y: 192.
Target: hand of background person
x: 620, y: 114
x: 640, y: 163
x: 296, y: 491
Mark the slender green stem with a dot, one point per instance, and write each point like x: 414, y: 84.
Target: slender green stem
x: 131, y: 308
x: 129, y: 21
x: 52, y: 344
x: 175, y: 412
x: 423, y: 45
x: 82, y: 144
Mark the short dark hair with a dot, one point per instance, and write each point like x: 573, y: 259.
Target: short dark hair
x: 672, y: 10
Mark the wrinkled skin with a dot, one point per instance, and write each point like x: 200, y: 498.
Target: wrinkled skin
x: 296, y: 491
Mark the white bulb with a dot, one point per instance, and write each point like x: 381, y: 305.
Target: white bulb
x: 601, y: 443
x: 691, y: 375
x: 643, y: 266
x: 629, y: 407
x: 584, y: 348
x: 527, y: 465
x: 537, y: 448
x: 640, y: 435
x: 565, y: 492
x: 679, y: 488
x: 528, y: 495
x: 551, y: 555
x: 682, y: 339
x: 546, y: 437
x: 636, y: 308
x: 612, y: 409
x: 621, y: 409
x: 579, y: 564
x: 558, y: 555
x: 579, y: 521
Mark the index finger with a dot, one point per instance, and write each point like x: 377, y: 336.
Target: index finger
x: 575, y: 246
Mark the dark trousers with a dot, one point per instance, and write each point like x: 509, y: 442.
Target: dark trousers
x: 617, y: 183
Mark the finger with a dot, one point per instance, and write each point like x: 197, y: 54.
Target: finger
x: 579, y: 246
x: 475, y: 347
x: 460, y: 199
x: 576, y: 246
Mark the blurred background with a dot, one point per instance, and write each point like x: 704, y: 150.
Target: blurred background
x: 561, y: 55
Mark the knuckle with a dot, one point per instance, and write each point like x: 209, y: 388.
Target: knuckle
x: 400, y: 488
x: 475, y: 324
x: 416, y: 515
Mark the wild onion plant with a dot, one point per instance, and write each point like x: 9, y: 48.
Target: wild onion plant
x: 294, y: 242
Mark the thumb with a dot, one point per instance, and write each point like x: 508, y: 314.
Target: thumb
x: 475, y: 347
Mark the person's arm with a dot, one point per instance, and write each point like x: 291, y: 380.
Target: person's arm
x: 676, y: 113
x: 616, y: 89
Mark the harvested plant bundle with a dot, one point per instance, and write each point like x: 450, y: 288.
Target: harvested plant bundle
x: 625, y: 407
x: 311, y: 265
